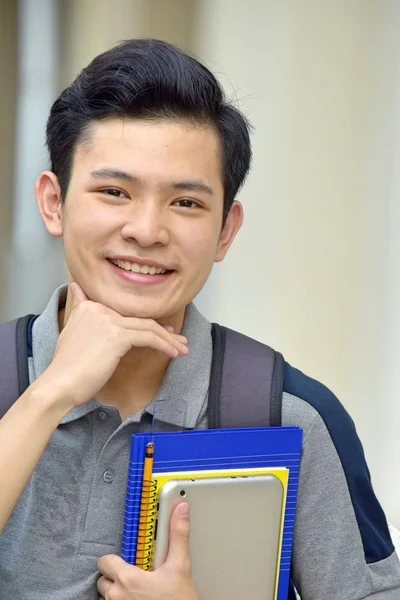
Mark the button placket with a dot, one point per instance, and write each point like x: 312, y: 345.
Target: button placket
x: 106, y: 501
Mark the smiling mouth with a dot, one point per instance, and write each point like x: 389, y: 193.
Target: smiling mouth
x: 136, y: 268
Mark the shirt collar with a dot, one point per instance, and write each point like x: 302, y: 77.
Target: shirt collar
x: 184, y: 390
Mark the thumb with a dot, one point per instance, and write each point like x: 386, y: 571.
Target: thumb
x: 77, y: 293
x: 178, y: 553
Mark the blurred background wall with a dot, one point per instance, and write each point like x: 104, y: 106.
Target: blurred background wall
x: 315, y: 272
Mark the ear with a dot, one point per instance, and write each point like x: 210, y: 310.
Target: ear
x: 48, y: 198
x: 231, y: 226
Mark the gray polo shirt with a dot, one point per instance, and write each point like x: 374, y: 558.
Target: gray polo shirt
x: 71, y: 511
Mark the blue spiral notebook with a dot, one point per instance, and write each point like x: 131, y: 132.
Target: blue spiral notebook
x: 217, y: 449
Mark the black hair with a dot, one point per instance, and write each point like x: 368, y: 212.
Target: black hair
x: 150, y: 79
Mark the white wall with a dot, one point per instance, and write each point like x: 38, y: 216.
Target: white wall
x: 315, y: 270
x: 34, y: 261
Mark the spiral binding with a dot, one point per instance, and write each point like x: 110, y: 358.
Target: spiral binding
x: 147, y: 524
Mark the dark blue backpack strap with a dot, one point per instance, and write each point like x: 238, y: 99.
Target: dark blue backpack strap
x: 246, y: 382
x: 14, y: 374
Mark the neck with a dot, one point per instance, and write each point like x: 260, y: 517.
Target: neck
x: 139, y: 374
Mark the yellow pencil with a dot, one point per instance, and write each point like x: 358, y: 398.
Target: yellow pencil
x: 144, y: 503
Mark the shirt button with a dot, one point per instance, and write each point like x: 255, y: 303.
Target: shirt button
x: 108, y: 476
x: 103, y: 415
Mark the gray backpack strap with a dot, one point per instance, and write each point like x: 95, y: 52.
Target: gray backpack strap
x: 14, y: 375
x: 246, y: 382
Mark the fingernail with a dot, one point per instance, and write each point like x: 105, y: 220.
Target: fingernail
x: 182, y: 338
x: 169, y: 328
x: 183, y: 510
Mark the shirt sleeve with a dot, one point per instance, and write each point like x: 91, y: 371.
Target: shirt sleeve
x: 342, y: 547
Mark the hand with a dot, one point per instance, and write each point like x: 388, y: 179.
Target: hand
x: 171, y: 581
x: 94, y: 340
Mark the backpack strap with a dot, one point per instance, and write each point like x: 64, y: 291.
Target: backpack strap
x: 246, y: 382
x: 14, y: 374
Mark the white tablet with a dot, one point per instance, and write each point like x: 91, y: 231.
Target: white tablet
x: 235, y: 528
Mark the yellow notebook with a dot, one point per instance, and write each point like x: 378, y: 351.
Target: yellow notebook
x: 147, y: 526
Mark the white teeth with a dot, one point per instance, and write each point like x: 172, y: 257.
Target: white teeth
x: 135, y: 268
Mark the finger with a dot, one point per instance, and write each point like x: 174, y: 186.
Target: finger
x: 177, y: 340
x: 77, y: 293
x: 104, y: 585
x: 113, y: 567
x: 148, y: 333
x: 178, y: 552
x: 170, y: 329
x: 149, y: 339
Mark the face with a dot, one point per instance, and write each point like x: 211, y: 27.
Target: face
x: 142, y: 217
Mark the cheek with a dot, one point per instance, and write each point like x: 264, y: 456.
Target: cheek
x: 86, y: 229
x: 200, y: 245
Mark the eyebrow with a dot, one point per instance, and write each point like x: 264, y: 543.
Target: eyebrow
x: 186, y: 185
x: 109, y: 173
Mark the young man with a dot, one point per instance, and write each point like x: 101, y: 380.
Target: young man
x: 146, y: 161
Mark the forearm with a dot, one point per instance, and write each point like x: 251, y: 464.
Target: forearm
x: 24, y: 433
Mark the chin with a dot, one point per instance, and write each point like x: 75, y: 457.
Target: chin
x: 139, y: 310
x: 156, y: 307
x: 139, y: 313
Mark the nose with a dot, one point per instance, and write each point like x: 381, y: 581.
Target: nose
x: 146, y: 225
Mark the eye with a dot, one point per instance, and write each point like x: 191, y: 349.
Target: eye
x: 187, y: 203
x: 116, y: 193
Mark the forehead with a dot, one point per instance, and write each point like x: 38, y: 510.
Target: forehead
x: 151, y: 147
